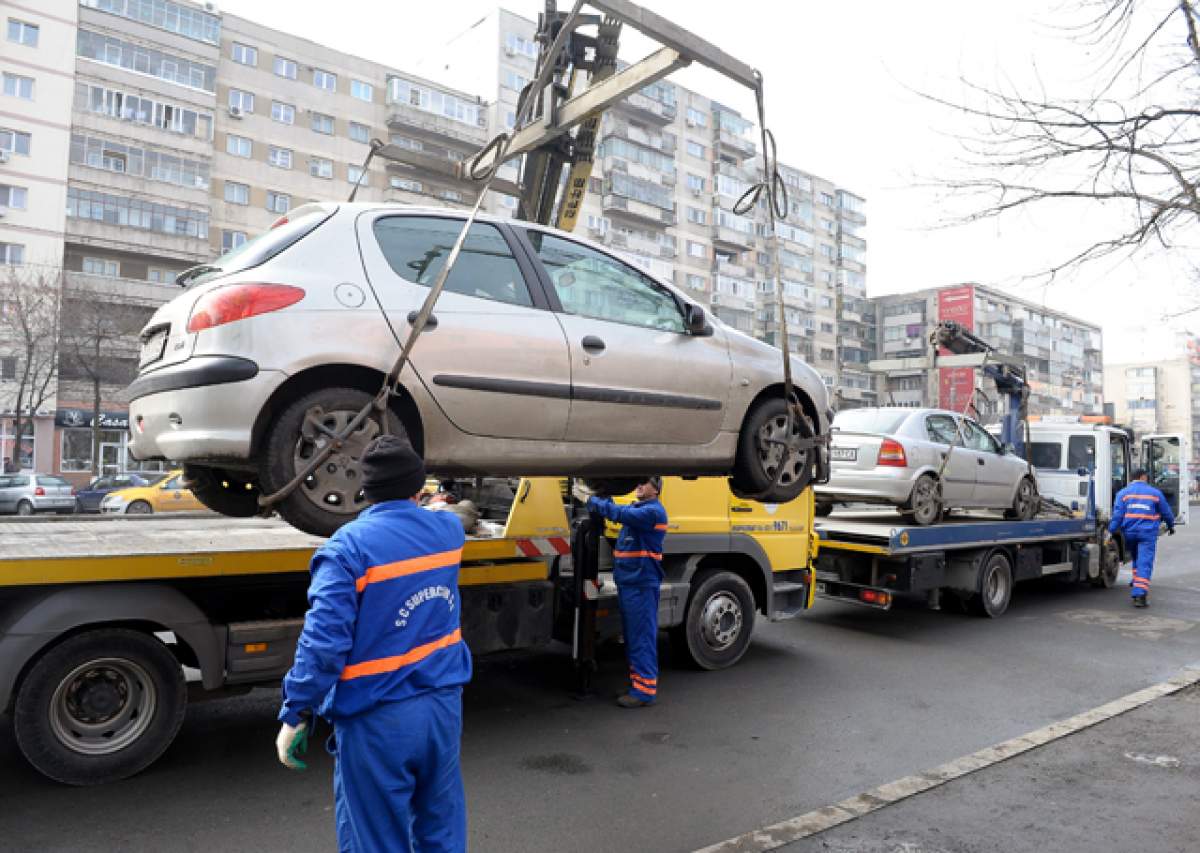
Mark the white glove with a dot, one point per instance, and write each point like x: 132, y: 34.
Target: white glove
x: 581, y: 492
x: 290, y: 742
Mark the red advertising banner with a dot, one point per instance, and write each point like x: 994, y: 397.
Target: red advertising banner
x: 955, y: 384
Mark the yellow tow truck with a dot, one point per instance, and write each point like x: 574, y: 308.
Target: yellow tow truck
x: 109, y: 626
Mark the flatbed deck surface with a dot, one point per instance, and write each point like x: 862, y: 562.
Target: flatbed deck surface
x: 886, y: 533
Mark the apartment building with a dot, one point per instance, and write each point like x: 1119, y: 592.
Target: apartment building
x: 37, y: 68
x: 1061, y: 353
x: 1161, y: 396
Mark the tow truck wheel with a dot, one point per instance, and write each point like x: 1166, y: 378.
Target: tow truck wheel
x: 229, y: 493
x: 1110, y: 565
x: 100, y: 706
x: 718, y: 623
x: 332, y: 494
x: 760, y: 453
x: 995, y: 587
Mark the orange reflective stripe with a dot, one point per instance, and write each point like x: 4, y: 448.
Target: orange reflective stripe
x: 660, y: 527
x: 1142, y: 515
x: 391, y: 664
x: 634, y: 676
x: 629, y: 555
x: 1140, y: 498
x: 399, y: 569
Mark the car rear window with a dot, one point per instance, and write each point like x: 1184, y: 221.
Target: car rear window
x: 882, y: 421
x: 286, y: 232
x: 52, y: 481
x: 1045, y: 454
x: 13, y: 482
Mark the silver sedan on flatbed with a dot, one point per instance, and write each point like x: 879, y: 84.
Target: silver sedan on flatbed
x: 924, y: 462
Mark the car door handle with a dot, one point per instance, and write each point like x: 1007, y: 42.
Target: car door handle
x: 592, y: 344
x: 981, y: 462
x: 431, y: 323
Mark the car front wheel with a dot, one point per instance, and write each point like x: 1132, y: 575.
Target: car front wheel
x: 925, y: 503
x: 1026, y: 502
x: 332, y: 494
x: 765, y: 469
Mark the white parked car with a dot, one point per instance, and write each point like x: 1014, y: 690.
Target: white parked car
x: 924, y: 462
x: 545, y: 354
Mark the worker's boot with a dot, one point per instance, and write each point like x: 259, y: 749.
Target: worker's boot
x: 1140, y: 601
x: 628, y: 700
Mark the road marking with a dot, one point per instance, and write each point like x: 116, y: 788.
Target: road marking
x: 805, y: 825
x: 1168, y: 761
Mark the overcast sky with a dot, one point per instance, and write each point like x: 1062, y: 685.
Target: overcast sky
x: 839, y: 79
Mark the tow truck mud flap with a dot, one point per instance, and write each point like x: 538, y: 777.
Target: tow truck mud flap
x: 262, y: 650
x: 509, y: 616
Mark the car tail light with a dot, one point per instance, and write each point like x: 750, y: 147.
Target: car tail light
x: 39, y: 492
x: 239, y: 301
x: 891, y: 453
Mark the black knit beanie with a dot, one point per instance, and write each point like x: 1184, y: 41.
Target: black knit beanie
x: 392, y: 470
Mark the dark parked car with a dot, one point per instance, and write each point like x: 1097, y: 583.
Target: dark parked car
x: 89, y: 497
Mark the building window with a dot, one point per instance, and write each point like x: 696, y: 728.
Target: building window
x: 136, y: 213
x: 231, y: 240
x: 131, y: 107
x: 165, y: 15
x: 154, y: 165
x: 278, y: 202
x: 8, y: 442
x: 319, y: 167
x: 16, y: 86
x: 695, y: 149
x: 8, y: 367
x: 356, y: 175
x: 827, y: 328
x: 360, y: 132
x: 828, y: 225
x: 406, y: 142
x: 14, y: 198
x: 22, y: 33
x: 695, y: 183
x: 236, y: 193
x: 697, y: 250
x: 285, y: 68
x: 515, y: 45
x: 242, y: 101
x: 696, y: 118
x: 362, y: 91
x: 12, y: 254
x: 450, y: 195
x: 324, y: 80
x: 401, y: 91
x: 283, y: 113
x: 827, y: 199
x: 827, y: 251
x: 697, y: 216
x: 280, y: 158
x: 512, y: 80
x: 322, y: 123
x: 406, y: 184
x: 145, y: 60
x: 101, y: 266
x: 14, y: 141
x: 697, y: 282
x: 238, y: 146
x: 159, y: 275
x: 243, y: 54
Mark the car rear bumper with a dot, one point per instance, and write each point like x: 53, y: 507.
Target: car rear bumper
x: 209, y: 420
x: 866, y: 486
x: 57, y: 503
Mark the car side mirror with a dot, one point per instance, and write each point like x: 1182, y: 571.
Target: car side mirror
x: 695, y: 322
x: 1082, y: 472
x: 1006, y: 449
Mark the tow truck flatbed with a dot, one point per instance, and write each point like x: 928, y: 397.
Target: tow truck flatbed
x: 871, y: 557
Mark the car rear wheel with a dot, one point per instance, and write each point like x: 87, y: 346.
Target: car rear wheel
x: 925, y: 503
x: 229, y: 493
x: 761, y: 452
x: 1026, y: 502
x: 139, y: 508
x: 24, y: 508
x: 332, y: 494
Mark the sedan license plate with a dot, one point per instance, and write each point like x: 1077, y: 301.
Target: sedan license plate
x: 844, y: 454
x: 153, y: 348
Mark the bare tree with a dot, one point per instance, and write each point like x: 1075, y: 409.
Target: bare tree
x: 1131, y: 144
x: 30, y: 302
x: 99, y: 348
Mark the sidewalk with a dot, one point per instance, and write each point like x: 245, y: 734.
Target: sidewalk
x: 1131, y: 783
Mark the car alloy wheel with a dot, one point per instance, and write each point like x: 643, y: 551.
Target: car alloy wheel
x: 926, y: 502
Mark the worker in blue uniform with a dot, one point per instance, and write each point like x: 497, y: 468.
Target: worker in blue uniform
x: 637, y: 570
x: 381, y: 656
x: 1138, y: 512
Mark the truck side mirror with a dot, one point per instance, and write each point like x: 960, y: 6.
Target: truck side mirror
x: 695, y: 322
x: 1082, y: 472
x: 1008, y: 449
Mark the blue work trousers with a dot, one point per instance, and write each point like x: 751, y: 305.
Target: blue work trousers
x: 397, y: 785
x: 1141, y: 550
x: 639, y: 620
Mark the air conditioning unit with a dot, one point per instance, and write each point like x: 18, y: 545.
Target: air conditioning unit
x: 697, y: 193
x: 4, y: 156
x: 235, y: 112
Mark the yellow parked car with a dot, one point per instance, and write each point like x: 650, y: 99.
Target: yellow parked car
x: 167, y: 495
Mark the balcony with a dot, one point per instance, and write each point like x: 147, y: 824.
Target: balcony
x: 747, y: 174
x: 405, y: 117
x: 122, y: 291
x: 664, y: 247
x: 651, y: 175
x: 648, y: 109
x: 735, y: 144
x: 730, y: 238
x: 639, y: 210
x: 736, y: 270
x: 624, y: 130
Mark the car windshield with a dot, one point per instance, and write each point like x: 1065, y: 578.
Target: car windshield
x: 286, y: 232
x: 877, y: 421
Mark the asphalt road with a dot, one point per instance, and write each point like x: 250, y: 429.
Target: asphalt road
x: 822, y: 707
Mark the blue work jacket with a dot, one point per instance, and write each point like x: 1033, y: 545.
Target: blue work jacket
x: 383, y: 619
x: 1139, y: 509
x: 637, y: 557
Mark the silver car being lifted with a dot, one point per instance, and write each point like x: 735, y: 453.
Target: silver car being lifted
x: 925, y: 462
x: 545, y: 354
